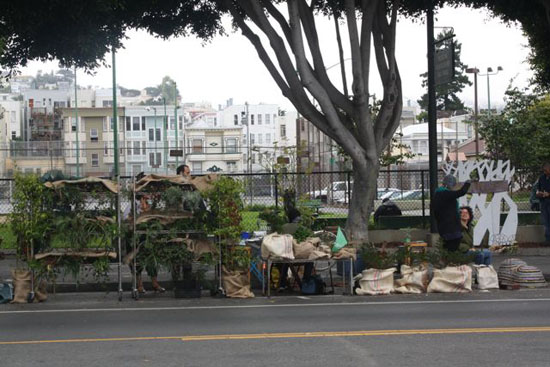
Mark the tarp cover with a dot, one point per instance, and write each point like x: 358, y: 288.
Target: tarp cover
x: 201, y: 183
x: 96, y: 181
x: 91, y: 254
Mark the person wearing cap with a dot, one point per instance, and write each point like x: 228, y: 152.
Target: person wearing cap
x: 446, y: 212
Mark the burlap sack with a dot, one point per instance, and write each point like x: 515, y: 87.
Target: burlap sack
x: 22, y: 287
x: 452, y: 279
x: 345, y: 253
x: 279, y: 246
x: 414, y: 280
x: 302, y: 250
x: 236, y: 284
x: 375, y: 282
x: 486, y: 276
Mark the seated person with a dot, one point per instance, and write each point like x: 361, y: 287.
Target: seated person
x: 386, y: 209
x: 483, y: 255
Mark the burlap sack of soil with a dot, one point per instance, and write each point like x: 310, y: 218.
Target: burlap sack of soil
x: 302, y: 250
x: 414, y: 280
x: 486, y: 276
x: 22, y: 287
x: 278, y: 246
x: 236, y: 284
x: 345, y: 253
x: 452, y: 279
x: 376, y: 282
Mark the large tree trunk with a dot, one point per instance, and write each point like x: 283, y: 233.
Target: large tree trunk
x: 365, y: 177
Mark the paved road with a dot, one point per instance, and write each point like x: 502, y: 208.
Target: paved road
x: 498, y: 329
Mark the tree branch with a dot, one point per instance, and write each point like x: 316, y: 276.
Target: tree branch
x: 344, y: 136
x: 308, y: 24
x: 341, y: 56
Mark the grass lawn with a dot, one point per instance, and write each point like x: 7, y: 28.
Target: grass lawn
x: 7, y: 237
x: 250, y: 221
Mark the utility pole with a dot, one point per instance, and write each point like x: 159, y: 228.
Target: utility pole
x: 76, y: 123
x: 176, y: 119
x: 432, y: 118
x: 165, y: 136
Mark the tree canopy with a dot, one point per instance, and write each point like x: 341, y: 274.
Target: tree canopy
x: 520, y: 133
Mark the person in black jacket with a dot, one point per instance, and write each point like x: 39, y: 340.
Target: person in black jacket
x: 543, y: 194
x: 446, y: 212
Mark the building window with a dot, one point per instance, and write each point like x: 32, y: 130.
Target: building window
x: 253, y: 158
x: 112, y: 120
x: 143, y: 123
x: 135, y: 123
x: 172, y: 123
x: 268, y: 138
x: 95, y: 160
x: 129, y: 148
x: 260, y: 139
x: 143, y: 148
x: 251, y: 119
x: 267, y: 119
x: 235, y: 120
x: 151, y: 134
x: 94, y: 135
x: 155, y: 159
x: 128, y: 123
x: 105, y: 123
x: 231, y: 145
x: 73, y: 124
x: 197, y: 167
x: 197, y: 146
x: 105, y: 148
x: 13, y: 136
x: 136, y: 147
x: 231, y: 166
x: 259, y: 119
x: 251, y: 139
x: 283, y: 131
x: 158, y: 134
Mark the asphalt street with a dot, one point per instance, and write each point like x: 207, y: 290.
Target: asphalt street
x: 500, y: 328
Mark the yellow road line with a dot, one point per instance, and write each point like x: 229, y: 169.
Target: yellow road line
x: 322, y: 334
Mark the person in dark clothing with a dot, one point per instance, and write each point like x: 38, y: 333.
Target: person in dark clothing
x: 543, y: 193
x: 446, y: 213
x: 387, y: 209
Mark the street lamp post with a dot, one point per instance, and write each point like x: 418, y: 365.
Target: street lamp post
x: 165, y: 136
x: 475, y: 71
x: 488, y: 74
x: 154, y: 136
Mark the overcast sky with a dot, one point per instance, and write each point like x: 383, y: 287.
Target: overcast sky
x: 228, y: 67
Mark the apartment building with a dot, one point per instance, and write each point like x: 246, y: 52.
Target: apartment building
x: 259, y: 133
x: 212, y: 147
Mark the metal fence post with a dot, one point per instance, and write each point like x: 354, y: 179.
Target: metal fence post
x: 423, y: 198
x: 348, y: 188
x: 276, y: 192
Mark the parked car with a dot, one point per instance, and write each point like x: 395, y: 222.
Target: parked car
x: 380, y: 195
x: 409, y: 195
x: 335, y: 193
